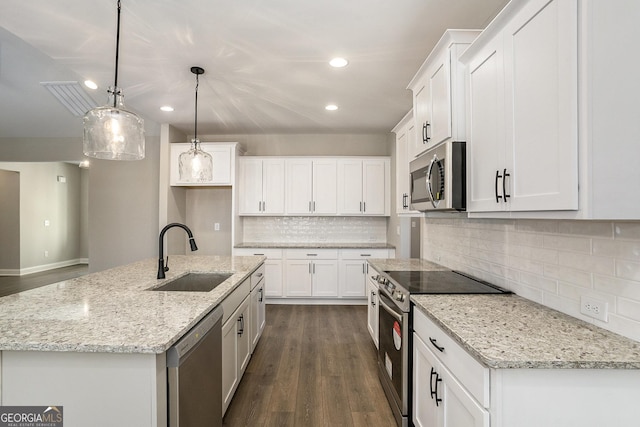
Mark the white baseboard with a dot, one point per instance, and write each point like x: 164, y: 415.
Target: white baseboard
x: 316, y: 301
x: 44, y: 267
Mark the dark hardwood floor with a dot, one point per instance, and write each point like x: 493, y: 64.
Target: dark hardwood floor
x: 14, y: 284
x: 314, y: 366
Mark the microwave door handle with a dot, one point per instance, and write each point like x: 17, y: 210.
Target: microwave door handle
x: 429, y: 188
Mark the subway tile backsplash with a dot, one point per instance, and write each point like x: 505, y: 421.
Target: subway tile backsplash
x: 553, y: 262
x: 306, y: 229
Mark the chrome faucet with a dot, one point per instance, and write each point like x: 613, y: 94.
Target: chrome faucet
x: 161, y: 265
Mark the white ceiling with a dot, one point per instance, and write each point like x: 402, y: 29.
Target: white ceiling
x: 265, y: 60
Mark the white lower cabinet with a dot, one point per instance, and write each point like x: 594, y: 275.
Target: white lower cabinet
x: 372, y: 309
x: 311, y: 273
x: 257, y: 304
x: 236, y: 340
x: 451, y: 388
x: 273, y: 283
x: 439, y: 399
x: 354, y: 270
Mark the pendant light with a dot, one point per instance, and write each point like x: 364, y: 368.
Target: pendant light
x: 112, y: 132
x: 195, y: 165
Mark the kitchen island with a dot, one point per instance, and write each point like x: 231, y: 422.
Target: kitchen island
x: 96, y: 344
x: 503, y: 360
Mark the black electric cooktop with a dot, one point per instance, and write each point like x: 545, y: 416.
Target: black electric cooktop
x: 442, y: 282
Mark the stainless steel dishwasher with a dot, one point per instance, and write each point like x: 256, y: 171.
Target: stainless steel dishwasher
x: 194, y: 375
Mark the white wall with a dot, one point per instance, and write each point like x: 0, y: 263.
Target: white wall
x: 548, y: 261
x: 45, y: 198
x: 123, y: 209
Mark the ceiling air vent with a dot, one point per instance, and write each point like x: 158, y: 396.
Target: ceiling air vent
x: 72, y: 96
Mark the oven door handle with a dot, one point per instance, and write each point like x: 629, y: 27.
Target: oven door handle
x: 387, y: 308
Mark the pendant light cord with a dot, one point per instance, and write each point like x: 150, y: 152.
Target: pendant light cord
x: 195, y: 132
x: 115, y: 84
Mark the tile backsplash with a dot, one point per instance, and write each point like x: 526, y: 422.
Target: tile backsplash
x: 294, y: 229
x: 553, y: 262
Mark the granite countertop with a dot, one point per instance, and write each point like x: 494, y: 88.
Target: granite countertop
x: 112, y: 311
x: 404, y: 264
x: 314, y: 245
x: 507, y: 331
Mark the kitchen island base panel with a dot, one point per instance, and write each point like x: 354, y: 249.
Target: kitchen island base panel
x: 128, y: 387
x: 565, y: 397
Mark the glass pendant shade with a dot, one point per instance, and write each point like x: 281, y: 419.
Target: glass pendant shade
x: 113, y: 133
x: 195, y: 165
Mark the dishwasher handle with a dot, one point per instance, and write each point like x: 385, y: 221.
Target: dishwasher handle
x: 190, y: 340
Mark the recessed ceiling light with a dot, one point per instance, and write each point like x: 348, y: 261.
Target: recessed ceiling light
x: 167, y: 108
x: 338, y: 62
x: 90, y: 84
x: 331, y: 107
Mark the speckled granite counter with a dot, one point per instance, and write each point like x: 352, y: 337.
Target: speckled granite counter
x: 112, y: 311
x: 405, y: 264
x: 314, y: 245
x: 507, y: 331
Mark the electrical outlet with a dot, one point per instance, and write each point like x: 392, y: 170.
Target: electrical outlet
x: 595, y: 308
x: 46, y: 254
x: 216, y: 226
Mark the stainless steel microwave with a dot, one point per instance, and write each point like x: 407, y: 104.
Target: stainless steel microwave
x: 438, y: 178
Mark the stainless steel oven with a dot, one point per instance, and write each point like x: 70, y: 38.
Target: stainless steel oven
x: 395, y: 328
x: 393, y: 356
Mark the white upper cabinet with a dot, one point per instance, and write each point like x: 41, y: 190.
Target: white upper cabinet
x: 222, y: 154
x: 311, y: 186
x: 261, y: 186
x: 438, y: 93
x: 522, y: 136
x: 405, y: 132
x: 363, y: 186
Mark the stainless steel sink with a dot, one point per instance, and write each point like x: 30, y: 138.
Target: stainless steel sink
x: 194, y: 282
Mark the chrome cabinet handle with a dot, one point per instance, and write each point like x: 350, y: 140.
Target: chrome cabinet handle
x: 425, y: 136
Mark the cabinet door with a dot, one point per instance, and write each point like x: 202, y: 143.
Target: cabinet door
x: 350, y: 186
x: 459, y: 408
x: 250, y: 200
x: 299, y: 186
x: 273, y: 186
x: 422, y: 117
x: 273, y: 278
x: 325, y: 187
x: 374, y: 174
x: 353, y: 279
x: 229, y: 361
x: 540, y: 56
x: 440, y: 99
x: 486, y: 147
x: 402, y: 167
x: 425, y: 411
x: 243, y: 331
x: 298, y: 278
x: 325, y: 278
x: 372, y: 311
x: 257, y: 313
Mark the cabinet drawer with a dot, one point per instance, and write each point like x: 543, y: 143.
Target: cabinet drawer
x: 311, y: 253
x: 257, y: 276
x: 363, y: 253
x: 471, y: 373
x: 268, y: 252
x: 230, y: 303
